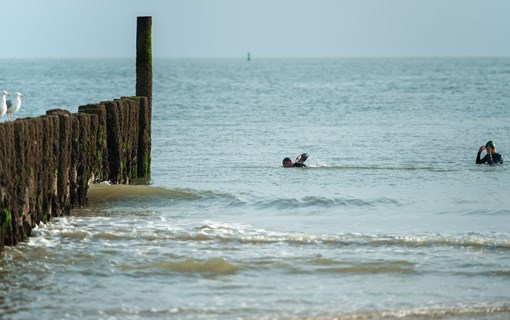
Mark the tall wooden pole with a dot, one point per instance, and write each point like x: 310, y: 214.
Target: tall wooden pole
x: 144, y: 58
x: 144, y: 89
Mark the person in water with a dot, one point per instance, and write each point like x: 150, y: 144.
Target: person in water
x: 492, y: 157
x: 299, y: 162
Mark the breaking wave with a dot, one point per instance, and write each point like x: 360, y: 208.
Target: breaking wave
x: 240, y: 234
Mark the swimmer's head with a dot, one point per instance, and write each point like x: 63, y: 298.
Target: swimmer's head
x: 287, y: 162
x: 491, y: 145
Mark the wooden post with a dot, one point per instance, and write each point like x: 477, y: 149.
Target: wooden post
x: 144, y: 58
x: 144, y: 89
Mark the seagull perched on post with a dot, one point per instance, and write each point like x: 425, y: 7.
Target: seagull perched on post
x: 3, y: 107
x: 14, y: 106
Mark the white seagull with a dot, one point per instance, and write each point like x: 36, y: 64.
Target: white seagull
x: 3, y: 107
x: 13, y: 107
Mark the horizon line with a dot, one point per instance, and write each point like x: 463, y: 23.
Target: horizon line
x: 243, y: 57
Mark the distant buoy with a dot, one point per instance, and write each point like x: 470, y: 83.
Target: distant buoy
x: 248, y: 57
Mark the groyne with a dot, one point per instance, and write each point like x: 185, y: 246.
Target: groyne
x: 47, y: 162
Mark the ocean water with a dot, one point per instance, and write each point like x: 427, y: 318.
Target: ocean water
x: 391, y: 219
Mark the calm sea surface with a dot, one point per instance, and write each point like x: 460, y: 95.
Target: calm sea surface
x: 391, y: 219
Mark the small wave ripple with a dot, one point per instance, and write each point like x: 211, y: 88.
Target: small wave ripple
x: 211, y: 267
x: 111, y: 193
x: 461, y: 312
x: 100, y: 194
x: 324, y: 166
x: 324, y: 202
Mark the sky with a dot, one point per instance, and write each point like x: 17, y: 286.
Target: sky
x: 266, y: 28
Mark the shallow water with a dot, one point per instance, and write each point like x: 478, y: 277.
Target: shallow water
x: 390, y: 219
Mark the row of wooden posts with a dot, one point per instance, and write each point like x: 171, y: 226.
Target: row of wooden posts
x: 48, y: 162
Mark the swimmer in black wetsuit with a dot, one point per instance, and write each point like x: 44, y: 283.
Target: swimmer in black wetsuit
x: 492, y: 157
x: 287, y: 162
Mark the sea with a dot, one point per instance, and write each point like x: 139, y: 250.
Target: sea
x: 391, y: 218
